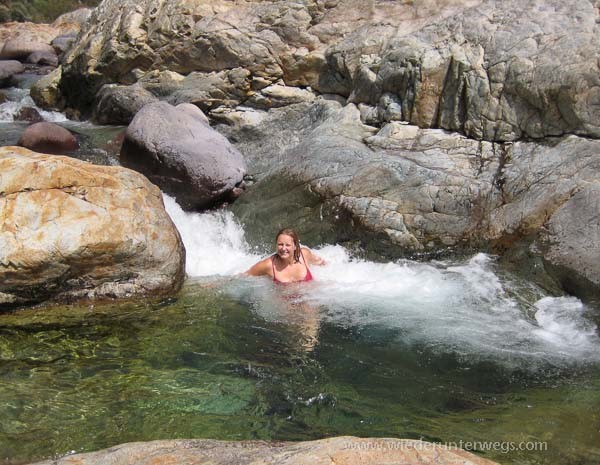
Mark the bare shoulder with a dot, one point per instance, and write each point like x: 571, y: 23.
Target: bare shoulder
x: 261, y: 268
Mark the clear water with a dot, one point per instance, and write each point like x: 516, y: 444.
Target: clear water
x: 444, y: 351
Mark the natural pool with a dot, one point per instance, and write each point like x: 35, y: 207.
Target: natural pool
x: 444, y: 351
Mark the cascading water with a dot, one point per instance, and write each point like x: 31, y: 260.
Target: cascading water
x: 19, y: 98
x: 468, y: 308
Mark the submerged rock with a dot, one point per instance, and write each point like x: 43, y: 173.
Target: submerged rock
x: 343, y: 450
x: 177, y: 149
x: 75, y: 230
x: 45, y: 137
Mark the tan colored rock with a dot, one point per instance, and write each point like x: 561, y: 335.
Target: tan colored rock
x: 30, y: 32
x: 19, y: 48
x: 343, y: 450
x: 71, y: 229
x: 46, y: 93
x: 279, y: 96
x: 72, y: 21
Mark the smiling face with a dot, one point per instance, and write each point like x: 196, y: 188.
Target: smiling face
x: 285, y: 247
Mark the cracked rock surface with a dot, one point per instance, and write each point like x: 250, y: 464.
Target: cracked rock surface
x: 343, y: 450
x: 71, y: 229
x: 428, y: 188
x: 495, y: 70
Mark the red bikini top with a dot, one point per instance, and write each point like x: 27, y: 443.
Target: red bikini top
x: 307, y: 277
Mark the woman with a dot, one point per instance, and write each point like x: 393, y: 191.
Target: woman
x: 290, y: 262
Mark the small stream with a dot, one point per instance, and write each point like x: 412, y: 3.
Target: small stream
x: 444, y: 351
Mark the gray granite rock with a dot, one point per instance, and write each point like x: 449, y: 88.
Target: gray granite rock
x: 119, y: 104
x: 177, y: 149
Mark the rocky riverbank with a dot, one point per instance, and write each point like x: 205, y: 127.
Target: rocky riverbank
x: 461, y: 124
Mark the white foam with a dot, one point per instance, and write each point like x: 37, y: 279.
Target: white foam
x: 214, y: 242
x: 463, y: 308
x: 20, y: 98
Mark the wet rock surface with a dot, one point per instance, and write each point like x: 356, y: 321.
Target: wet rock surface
x: 426, y: 189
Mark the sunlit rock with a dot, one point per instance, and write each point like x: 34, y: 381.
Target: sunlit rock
x: 343, y: 450
x: 177, y: 149
x: 71, y: 229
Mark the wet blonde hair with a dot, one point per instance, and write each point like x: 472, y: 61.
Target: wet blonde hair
x: 290, y: 232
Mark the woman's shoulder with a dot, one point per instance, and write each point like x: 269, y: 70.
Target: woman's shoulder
x: 262, y: 267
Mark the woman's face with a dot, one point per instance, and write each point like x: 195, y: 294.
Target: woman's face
x: 285, y: 246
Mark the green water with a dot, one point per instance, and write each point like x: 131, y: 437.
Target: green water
x: 206, y: 365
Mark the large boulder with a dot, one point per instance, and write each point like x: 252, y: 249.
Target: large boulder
x: 571, y: 242
x: 8, y: 68
x: 48, y: 137
x: 27, y: 32
x: 343, y: 450
x: 72, y: 21
x: 426, y: 189
x: 177, y: 149
x: 485, y: 68
x: 119, y: 104
x: 75, y: 230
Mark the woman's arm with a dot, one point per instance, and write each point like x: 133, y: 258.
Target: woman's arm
x: 312, y: 258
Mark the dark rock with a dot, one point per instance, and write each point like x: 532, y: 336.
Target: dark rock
x: 28, y: 114
x: 176, y: 148
x: 48, y: 138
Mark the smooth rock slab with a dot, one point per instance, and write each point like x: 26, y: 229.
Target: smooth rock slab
x: 339, y: 451
x: 177, y: 149
x: 71, y: 229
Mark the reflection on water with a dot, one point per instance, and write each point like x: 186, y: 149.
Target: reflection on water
x: 216, y: 362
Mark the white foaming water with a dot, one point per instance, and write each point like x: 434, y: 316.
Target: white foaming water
x: 19, y: 98
x: 214, y: 242
x: 466, y: 309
